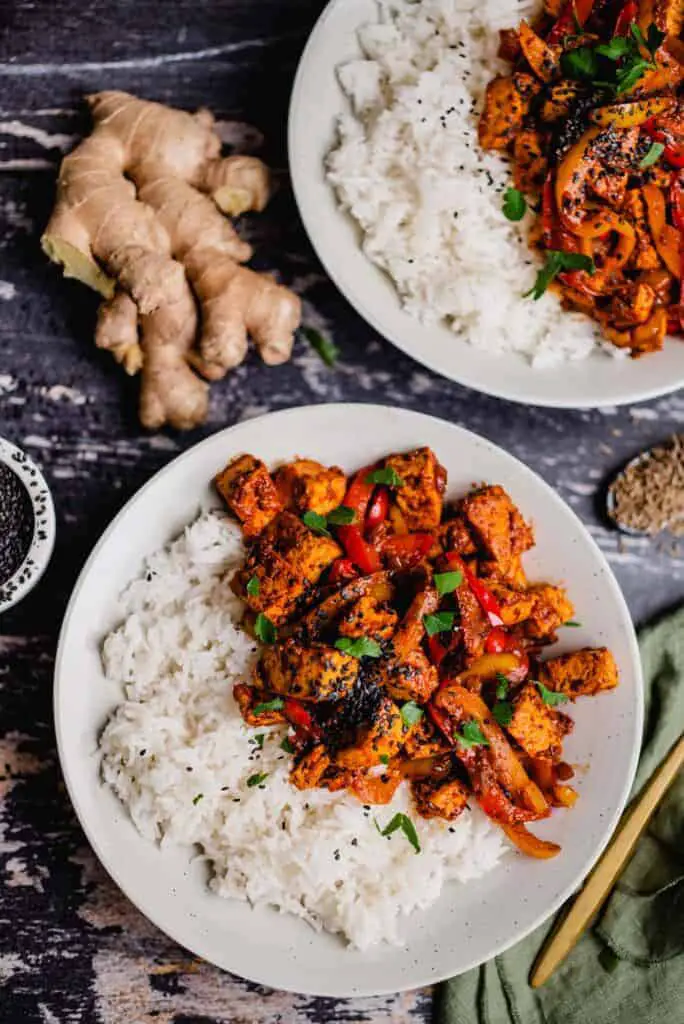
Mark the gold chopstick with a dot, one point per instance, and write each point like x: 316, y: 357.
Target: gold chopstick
x: 603, y: 877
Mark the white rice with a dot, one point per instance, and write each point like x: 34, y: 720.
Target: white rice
x: 178, y: 755
x: 407, y: 166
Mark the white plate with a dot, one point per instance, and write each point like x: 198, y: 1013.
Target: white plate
x: 316, y: 102
x: 470, y: 923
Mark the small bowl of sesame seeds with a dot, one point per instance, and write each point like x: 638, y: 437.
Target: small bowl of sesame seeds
x: 27, y: 525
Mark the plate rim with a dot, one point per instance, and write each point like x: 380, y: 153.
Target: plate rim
x: 108, y: 862
x: 299, y: 191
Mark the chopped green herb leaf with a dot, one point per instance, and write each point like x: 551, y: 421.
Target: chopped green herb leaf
x: 253, y: 586
x: 514, y: 204
x: 403, y: 822
x: 550, y: 697
x: 287, y: 746
x: 342, y: 516
x: 264, y: 629
x: 503, y: 712
x: 556, y: 261
x: 572, y: 624
x: 196, y: 799
x: 259, y: 740
x: 317, y: 523
x: 471, y: 736
x: 359, y: 647
x: 447, y: 582
x: 410, y: 712
x: 581, y: 63
x: 271, y: 705
x: 325, y: 348
x: 501, y: 686
x: 653, y: 155
x: 384, y: 759
x: 616, y: 48
x: 257, y: 779
x: 387, y: 476
x: 628, y: 76
x: 440, y: 622
x: 655, y: 37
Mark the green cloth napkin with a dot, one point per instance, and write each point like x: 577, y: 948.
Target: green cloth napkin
x: 630, y: 966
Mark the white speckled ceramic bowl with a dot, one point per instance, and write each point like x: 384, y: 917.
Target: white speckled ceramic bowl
x: 42, y: 542
x: 317, y: 101
x: 469, y: 923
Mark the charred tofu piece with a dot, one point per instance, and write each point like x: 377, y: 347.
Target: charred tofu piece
x: 507, y: 101
x: 531, y: 164
x: 411, y: 678
x: 454, y: 535
x: 249, y: 492
x: 497, y: 524
x: 380, y: 740
x: 306, y: 553
x: 551, y: 609
x: 473, y: 622
x: 516, y: 605
x: 419, y: 499
x: 368, y: 617
x: 645, y: 256
x: 277, y: 589
x: 309, y: 769
x: 535, y: 726
x: 436, y: 798
x: 425, y: 741
x: 307, y: 673
x: 667, y: 14
x: 582, y: 673
x: 248, y: 698
x: 511, y: 572
x: 306, y: 485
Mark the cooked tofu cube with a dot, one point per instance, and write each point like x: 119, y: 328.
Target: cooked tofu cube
x: 307, y: 553
x: 248, y: 698
x: 537, y: 727
x: 474, y: 623
x: 454, y: 535
x: 507, y: 101
x: 497, y: 524
x: 419, y: 500
x: 510, y: 572
x: 307, y: 673
x: 309, y: 769
x: 516, y: 605
x: 411, y: 678
x: 582, y: 673
x: 248, y: 490
x: 424, y: 741
x: 278, y: 587
x: 367, y: 617
x: 551, y: 609
x: 438, y: 799
x: 383, y: 738
x: 306, y: 485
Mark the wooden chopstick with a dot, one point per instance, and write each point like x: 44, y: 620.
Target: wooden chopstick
x: 601, y: 880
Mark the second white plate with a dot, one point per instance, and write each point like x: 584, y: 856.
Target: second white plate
x: 317, y: 100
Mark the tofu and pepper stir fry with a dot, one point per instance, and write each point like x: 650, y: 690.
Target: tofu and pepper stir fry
x: 593, y: 119
x: 402, y: 639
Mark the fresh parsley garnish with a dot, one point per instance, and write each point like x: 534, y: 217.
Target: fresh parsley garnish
x: 447, y: 582
x: 257, y: 779
x: 514, y: 204
x: 384, y: 758
x: 287, y: 746
x: 503, y: 712
x: 253, y: 586
x: 580, y: 64
x: 259, y: 740
x: 616, y: 65
x: 326, y: 349
x: 342, y: 516
x: 316, y: 523
x: 410, y: 712
x: 653, y: 155
x: 573, y: 624
x: 387, y: 475
x: 403, y: 822
x: 270, y: 705
x: 359, y: 647
x: 501, y: 686
x: 550, y: 697
x: 264, y: 629
x: 557, y: 261
x: 471, y: 735
x: 196, y: 799
x: 440, y: 622
x: 615, y: 48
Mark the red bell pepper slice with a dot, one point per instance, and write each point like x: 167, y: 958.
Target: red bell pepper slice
x: 299, y: 716
x: 378, y: 509
x: 496, y: 641
x: 359, y: 550
x: 441, y: 720
x: 342, y: 570
x: 625, y: 18
x: 486, y: 599
x: 677, y: 201
x: 673, y: 153
x: 359, y: 493
x: 439, y: 650
x: 407, y: 548
x: 574, y: 12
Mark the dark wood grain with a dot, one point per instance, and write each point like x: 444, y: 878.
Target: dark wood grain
x: 71, y: 947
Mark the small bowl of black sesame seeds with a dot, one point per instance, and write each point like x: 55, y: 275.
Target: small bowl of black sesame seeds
x: 27, y: 525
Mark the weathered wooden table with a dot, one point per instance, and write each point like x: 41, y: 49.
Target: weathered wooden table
x: 72, y: 949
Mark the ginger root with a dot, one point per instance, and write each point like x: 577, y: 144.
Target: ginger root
x: 141, y: 217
